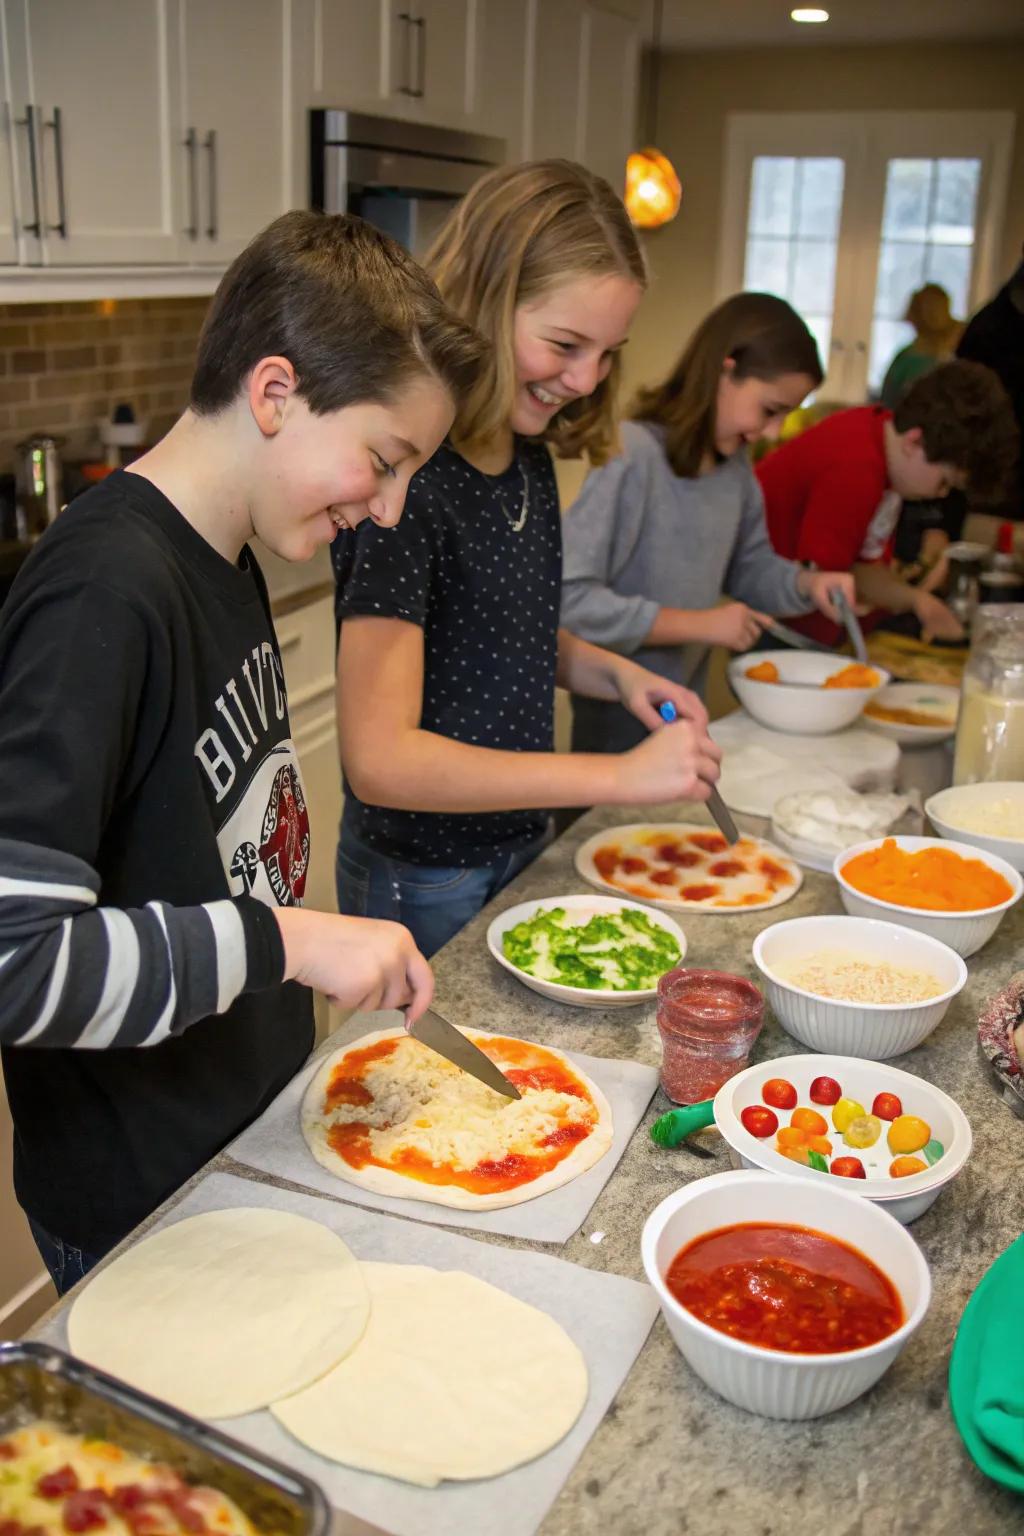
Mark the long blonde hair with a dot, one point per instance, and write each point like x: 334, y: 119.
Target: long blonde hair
x: 521, y: 231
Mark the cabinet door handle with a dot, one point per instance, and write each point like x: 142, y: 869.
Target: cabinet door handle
x: 420, y: 23
x: 210, y: 144
x: 56, y: 123
x: 407, y: 88
x: 29, y: 122
x: 192, y: 227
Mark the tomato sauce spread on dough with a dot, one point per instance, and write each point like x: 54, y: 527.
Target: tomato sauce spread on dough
x: 525, y: 1064
x: 786, y: 1288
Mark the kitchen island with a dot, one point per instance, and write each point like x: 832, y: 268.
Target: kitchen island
x: 671, y: 1457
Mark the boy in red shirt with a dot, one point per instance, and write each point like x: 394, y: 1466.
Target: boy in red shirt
x: 833, y: 495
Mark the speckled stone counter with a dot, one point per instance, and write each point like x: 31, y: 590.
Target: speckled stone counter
x: 671, y: 1457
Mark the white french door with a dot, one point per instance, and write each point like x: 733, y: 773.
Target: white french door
x: 846, y: 214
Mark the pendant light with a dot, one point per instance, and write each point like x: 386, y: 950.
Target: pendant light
x: 653, y: 191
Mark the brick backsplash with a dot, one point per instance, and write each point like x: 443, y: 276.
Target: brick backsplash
x: 65, y: 366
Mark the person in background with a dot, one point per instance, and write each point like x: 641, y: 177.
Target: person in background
x: 995, y: 337
x: 833, y: 495
x: 677, y: 518
x: 936, y: 335
x: 449, y: 646
x: 157, y: 964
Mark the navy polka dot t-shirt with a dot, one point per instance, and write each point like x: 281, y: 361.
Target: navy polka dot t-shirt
x: 487, y: 600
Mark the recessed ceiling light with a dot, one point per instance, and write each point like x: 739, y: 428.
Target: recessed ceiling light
x: 808, y: 13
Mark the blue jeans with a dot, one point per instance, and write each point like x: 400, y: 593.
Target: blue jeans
x: 67, y: 1264
x: 432, y: 903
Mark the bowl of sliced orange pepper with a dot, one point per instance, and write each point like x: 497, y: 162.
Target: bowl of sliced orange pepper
x: 805, y: 693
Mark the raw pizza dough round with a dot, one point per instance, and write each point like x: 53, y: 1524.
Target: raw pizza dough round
x: 453, y: 1379
x: 223, y: 1312
x: 480, y: 1107
x: 640, y: 837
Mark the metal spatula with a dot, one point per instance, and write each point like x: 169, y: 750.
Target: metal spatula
x: 716, y: 805
x: 850, y: 624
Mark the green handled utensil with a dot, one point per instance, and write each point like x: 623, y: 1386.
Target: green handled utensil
x: 672, y: 1129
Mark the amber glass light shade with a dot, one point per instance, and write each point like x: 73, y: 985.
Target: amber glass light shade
x: 653, y: 192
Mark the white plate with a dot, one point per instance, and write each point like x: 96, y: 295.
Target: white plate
x: 585, y: 866
x: 583, y: 907
x: 915, y: 696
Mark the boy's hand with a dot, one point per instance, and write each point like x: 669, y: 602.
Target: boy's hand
x: 733, y: 625
x: 641, y: 691
x: 938, y: 622
x: 677, y: 762
x: 818, y: 586
x: 358, y: 962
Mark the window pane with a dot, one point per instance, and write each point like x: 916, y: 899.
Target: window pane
x: 767, y: 267
x: 887, y: 338
x: 950, y: 265
x: 771, y: 195
x: 956, y: 196
x: 820, y: 198
x: 907, y: 199
x: 900, y: 271
x: 814, y: 273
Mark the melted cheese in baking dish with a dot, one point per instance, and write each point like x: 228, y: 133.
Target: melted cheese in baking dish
x: 401, y: 1106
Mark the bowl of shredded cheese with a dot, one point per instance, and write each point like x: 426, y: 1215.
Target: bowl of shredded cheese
x: 948, y: 890
x: 857, y: 986
x: 987, y: 816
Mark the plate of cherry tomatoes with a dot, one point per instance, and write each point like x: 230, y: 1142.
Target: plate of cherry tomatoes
x: 883, y: 1133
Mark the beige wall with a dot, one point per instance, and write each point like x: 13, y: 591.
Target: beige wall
x: 698, y: 90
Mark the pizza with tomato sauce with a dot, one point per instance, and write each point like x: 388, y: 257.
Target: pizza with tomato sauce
x: 394, y: 1117
x: 685, y: 866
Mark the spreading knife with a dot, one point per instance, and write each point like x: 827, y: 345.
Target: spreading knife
x: 431, y: 1030
x: 716, y: 805
x: 793, y: 637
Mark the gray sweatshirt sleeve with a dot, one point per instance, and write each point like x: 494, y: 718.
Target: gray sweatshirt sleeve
x: 756, y: 574
x: 600, y: 532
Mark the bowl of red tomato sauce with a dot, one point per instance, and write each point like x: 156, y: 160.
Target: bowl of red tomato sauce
x: 787, y: 1299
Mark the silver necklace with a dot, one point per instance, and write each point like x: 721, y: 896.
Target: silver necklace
x: 517, y: 524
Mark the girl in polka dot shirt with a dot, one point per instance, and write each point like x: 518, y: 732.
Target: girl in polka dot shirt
x: 449, y: 642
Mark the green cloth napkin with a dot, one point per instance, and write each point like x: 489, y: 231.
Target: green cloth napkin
x: 986, y: 1371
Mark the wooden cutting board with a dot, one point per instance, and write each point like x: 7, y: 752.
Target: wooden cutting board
x: 913, y: 661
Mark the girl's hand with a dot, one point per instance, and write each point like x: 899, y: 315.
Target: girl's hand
x: 357, y: 961
x: 641, y: 691
x: 817, y: 585
x: 733, y: 625
x: 677, y: 762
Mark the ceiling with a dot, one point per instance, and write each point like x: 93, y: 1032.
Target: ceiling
x: 695, y: 24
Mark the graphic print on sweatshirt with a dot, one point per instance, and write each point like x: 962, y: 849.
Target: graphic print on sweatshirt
x: 259, y: 806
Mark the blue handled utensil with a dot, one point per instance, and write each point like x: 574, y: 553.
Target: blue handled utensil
x: 716, y: 805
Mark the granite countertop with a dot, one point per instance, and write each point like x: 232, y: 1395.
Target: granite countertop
x: 670, y: 1456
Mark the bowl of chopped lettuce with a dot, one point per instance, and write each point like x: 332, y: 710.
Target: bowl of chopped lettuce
x: 591, y: 951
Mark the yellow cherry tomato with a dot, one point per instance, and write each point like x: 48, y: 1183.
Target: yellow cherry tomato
x: 903, y: 1167
x: 809, y: 1120
x: 908, y: 1133
x: 843, y: 1111
x: 790, y: 1136
x: 863, y: 1132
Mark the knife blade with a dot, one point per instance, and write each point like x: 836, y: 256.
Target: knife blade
x: 435, y: 1032
x: 793, y: 637
x: 850, y: 624
x: 716, y: 805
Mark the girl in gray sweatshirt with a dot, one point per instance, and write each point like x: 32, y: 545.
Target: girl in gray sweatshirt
x: 676, y: 520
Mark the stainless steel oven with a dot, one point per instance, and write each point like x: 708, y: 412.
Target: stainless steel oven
x: 403, y: 177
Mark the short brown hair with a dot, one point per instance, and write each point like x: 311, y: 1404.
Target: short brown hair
x: 520, y: 231
x: 763, y: 336
x: 345, y: 304
x: 966, y: 420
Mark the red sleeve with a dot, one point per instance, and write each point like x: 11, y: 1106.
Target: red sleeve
x: 837, y: 515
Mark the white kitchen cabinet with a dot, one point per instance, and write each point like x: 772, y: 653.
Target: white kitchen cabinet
x: 609, y: 73
x: 553, y: 128
x: 235, y: 157
x: 504, y: 96
x: 95, y: 130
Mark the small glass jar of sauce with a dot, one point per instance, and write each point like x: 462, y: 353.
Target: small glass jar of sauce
x: 708, y: 1021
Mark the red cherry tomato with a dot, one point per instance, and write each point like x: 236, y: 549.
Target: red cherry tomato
x: 825, y: 1090
x: 848, y: 1167
x: 779, y: 1094
x: 886, y: 1106
x: 759, y: 1121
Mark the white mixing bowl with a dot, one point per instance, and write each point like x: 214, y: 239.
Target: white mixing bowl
x: 798, y: 703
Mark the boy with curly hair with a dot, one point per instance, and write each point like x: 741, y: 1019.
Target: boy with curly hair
x: 834, y: 494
